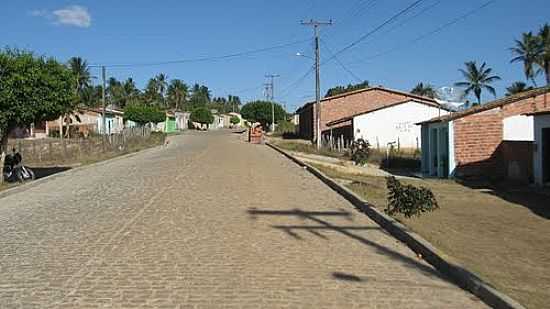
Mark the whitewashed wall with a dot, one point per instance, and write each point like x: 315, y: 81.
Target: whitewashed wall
x: 540, y: 122
x: 398, y: 122
x: 518, y: 128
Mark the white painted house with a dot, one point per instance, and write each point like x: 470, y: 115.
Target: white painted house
x: 541, y: 151
x: 394, y: 124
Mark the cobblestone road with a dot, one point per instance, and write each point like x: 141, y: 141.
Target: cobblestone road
x: 208, y: 221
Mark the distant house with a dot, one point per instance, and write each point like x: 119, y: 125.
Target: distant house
x: 90, y: 120
x: 494, y: 140
x: 218, y: 121
x: 339, y: 111
x: 35, y: 130
x: 170, y: 123
x: 541, y: 148
x: 391, y: 124
x: 182, y: 120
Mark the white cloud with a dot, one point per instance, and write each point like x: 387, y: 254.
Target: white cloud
x: 39, y: 13
x: 73, y: 15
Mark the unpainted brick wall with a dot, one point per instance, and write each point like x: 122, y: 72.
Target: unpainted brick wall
x: 479, y: 146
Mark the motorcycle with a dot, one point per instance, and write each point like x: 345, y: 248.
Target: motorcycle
x: 14, y: 170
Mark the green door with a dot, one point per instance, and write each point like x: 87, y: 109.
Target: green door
x: 170, y: 125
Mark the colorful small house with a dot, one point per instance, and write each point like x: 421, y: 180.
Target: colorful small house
x: 170, y: 123
x: 494, y: 140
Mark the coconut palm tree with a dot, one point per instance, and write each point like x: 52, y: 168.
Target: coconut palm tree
x: 177, y: 93
x: 516, y: 88
x: 80, y: 70
x: 477, y: 79
x: 425, y: 90
x: 528, y: 51
x: 130, y: 88
x: 544, y: 57
x: 162, y: 84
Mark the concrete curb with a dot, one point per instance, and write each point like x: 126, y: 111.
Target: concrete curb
x: 460, y: 276
x: 32, y: 184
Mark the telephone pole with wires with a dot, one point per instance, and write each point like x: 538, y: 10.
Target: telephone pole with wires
x: 270, y: 95
x: 316, y: 24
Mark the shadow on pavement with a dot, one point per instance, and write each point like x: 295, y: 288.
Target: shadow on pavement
x: 41, y: 172
x: 323, y: 225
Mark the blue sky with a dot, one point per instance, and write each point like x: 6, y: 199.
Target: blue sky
x: 133, y: 32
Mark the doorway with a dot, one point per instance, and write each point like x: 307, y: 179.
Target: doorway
x: 545, y: 156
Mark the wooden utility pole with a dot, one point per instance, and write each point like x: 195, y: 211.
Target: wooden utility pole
x: 316, y: 25
x: 103, y: 101
x: 271, y: 97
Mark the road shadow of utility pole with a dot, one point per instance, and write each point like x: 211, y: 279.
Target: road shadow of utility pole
x: 323, y: 225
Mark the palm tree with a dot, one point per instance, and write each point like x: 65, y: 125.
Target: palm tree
x: 152, y: 91
x: 477, y: 79
x: 130, y: 89
x: 177, y: 93
x: 528, y: 50
x: 516, y: 88
x: 425, y: 90
x: 80, y: 70
x: 544, y: 57
x: 162, y: 84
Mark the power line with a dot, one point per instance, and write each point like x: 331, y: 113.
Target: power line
x: 435, y: 31
x: 288, y: 90
x: 366, y: 35
x: 203, y: 59
x: 357, y: 78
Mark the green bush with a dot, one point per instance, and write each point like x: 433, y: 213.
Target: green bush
x: 235, y: 120
x: 408, y: 200
x: 360, y: 151
x: 260, y: 111
x: 202, y: 115
x: 143, y: 114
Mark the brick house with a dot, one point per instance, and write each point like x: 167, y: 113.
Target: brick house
x: 494, y: 140
x: 345, y: 106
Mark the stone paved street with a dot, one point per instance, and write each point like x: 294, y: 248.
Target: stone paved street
x: 206, y: 222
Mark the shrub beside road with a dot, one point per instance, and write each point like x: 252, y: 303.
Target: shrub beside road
x: 498, y: 233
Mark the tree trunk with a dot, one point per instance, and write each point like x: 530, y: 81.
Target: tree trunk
x: 3, y: 151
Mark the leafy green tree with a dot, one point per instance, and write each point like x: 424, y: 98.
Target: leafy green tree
x: 202, y: 115
x: 177, y: 93
x: 32, y: 89
x: 425, y: 90
x: 477, y: 79
x: 341, y: 89
x: 544, y: 57
x: 528, y: 51
x: 260, y: 111
x: 143, y: 114
x: 516, y: 88
x: 235, y: 120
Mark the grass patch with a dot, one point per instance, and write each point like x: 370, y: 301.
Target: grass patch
x: 306, y: 147
x: 500, y: 234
